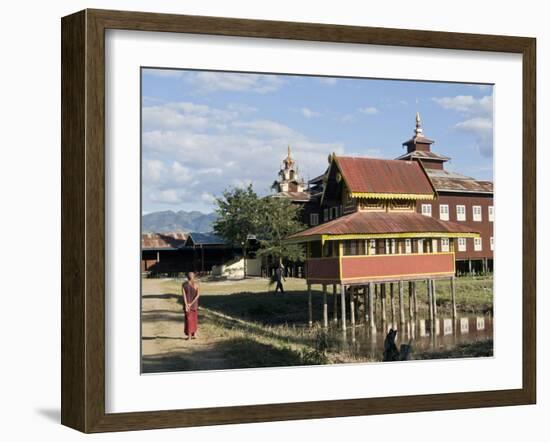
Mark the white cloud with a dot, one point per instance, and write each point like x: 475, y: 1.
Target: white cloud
x: 369, y: 110
x: 347, y: 118
x: 482, y: 129
x: 467, y: 104
x: 167, y: 196
x: 234, y: 82
x: 479, y: 118
x: 188, y: 162
x: 308, y: 113
x: 152, y: 170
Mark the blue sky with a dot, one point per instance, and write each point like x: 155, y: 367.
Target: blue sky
x: 207, y: 131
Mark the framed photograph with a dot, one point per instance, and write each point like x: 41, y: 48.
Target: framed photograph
x: 269, y: 220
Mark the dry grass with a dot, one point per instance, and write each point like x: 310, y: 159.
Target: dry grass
x: 244, y: 324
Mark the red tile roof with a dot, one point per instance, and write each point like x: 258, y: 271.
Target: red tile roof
x: 445, y: 181
x: 383, y: 223
x: 163, y: 241
x: 370, y: 175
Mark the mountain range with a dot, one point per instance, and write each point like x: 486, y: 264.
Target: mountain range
x: 181, y: 221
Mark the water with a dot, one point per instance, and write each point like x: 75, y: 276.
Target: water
x: 446, y: 335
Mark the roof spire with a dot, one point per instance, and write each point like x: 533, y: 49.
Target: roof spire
x: 418, y: 130
x: 289, y: 156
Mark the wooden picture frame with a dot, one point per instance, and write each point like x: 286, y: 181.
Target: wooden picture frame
x: 83, y: 219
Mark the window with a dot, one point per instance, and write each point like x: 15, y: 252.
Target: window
x: 461, y: 244
x: 427, y: 209
x: 313, y: 219
x: 444, y: 244
x: 325, y: 215
x: 476, y: 210
x: 477, y: 244
x: 393, y: 246
x: 461, y: 213
x: 444, y: 212
x: 387, y: 244
x: 333, y: 212
x: 408, y: 247
x: 492, y: 243
x: 434, y: 245
x: 420, y: 246
x: 491, y: 214
x: 372, y: 247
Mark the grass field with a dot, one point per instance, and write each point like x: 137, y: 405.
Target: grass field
x: 244, y: 324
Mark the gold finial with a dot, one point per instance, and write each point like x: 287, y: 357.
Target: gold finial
x: 418, y: 130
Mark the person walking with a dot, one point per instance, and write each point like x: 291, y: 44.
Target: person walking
x: 279, y: 278
x: 190, y: 293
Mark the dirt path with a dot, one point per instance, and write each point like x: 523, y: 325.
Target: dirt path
x: 163, y: 345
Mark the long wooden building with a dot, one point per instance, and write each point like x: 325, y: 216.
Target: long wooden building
x: 461, y: 199
x: 376, y: 235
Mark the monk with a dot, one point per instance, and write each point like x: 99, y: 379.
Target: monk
x: 190, y: 293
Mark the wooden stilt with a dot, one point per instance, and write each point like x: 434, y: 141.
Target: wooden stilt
x: 325, y: 307
x: 343, y: 305
x: 371, y: 307
x: 375, y: 298
x: 401, y: 306
x: 410, y: 300
x: 335, y: 308
x: 453, y: 296
x: 309, y: 305
x: 415, y: 300
x: 392, y: 301
x: 434, y: 298
x: 430, y: 304
x: 383, y: 302
x: 366, y: 301
x: 352, y: 305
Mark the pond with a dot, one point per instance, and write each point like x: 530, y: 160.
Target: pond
x: 447, y: 335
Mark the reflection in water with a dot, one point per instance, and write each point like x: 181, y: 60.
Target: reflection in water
x: 443, y: 334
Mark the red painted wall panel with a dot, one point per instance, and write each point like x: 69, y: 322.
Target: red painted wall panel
x: 327, y: 268
x: 382, y: 266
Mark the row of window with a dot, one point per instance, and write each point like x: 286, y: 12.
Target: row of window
x: 478, y: 245
x: 460, y: 212
x: 392, y: 246
x: 328, y: 214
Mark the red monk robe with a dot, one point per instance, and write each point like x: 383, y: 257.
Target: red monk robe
x: 191, y: 307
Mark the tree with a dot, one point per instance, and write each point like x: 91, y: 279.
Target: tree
x: 280, y: 218
x: 239, y: 215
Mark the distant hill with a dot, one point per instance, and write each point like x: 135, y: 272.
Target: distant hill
x: 182, y: 221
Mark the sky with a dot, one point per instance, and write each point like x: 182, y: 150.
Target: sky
x: 204, y: 131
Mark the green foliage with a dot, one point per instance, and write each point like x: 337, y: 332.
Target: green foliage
x: 241, y: 212
x: 280, y: 219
